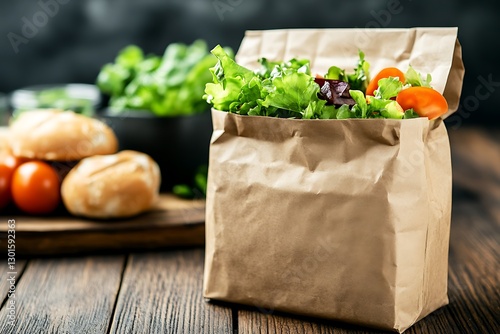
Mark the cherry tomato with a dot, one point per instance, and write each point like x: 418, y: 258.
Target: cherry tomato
x: 385, y: 73
x: 425, y: 101
x: 8, y: 165
x: 36, y: 188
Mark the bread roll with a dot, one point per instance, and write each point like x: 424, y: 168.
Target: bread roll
x: 56, y: 135
x: 110, y: 186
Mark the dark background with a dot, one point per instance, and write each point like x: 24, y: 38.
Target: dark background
x: 84, y: 34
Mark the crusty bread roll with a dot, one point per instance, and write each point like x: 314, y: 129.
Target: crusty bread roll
x: 56, y: 135
x: 110, y: 186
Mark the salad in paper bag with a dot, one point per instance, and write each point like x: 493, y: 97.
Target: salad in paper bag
x: 289, y: 90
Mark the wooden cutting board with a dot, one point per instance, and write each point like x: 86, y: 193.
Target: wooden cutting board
x: 173, y: 222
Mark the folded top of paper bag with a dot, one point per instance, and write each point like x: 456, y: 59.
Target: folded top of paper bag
x: 429, y: 50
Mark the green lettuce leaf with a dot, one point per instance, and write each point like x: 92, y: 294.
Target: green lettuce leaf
x: 222, y: 96
x: 317, y: 109
x: 388, y: 88
x: 392, y: 110
x: 335, y: 73
x: 232, y: 86
x: 410, y: 113
x: 251, y: 98
x: 344, y: 112
x: 361, y: 77
x: 226, y: 67
x: 295, y: 92
x: 271, y: 69
x: 360, y: 109
x: 130, y: 57
x: 329, y: 112
x: 415, y: 79
x: 112, y: 79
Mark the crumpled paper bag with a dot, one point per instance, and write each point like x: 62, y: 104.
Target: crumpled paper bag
x: 341, y: 219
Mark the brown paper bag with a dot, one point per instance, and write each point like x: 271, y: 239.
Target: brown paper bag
x: 340, y: 219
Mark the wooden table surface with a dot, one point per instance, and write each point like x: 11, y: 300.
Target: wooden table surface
x: 161, y: 291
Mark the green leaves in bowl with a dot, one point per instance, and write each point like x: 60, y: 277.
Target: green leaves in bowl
x: 171, y: 85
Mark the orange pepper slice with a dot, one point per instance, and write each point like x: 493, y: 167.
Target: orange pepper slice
x: 425, y: 101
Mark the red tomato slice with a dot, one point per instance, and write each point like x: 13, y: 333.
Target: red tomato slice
x: 425, y: 101
x: 385, y: 73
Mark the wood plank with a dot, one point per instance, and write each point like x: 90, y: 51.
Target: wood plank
x: 162, y: 293
x: 173, y: 222
x: 475, y: 269
x: 253, y: 322
x: 65, y: 295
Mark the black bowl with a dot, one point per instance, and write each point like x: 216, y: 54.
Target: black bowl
x: 178, y: 144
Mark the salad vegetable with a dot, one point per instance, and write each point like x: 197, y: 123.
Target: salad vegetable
x: 357, y: 80
x: 170, y: 85
x: 385, y: 73
x: 413, y: 78
x: 424, y: 100
x: 287, y: 89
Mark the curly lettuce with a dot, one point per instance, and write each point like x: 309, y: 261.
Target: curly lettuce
x: 287, y: 89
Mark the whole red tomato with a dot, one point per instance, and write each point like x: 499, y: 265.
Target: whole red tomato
x: 36, y: 188
x: 8, y: 165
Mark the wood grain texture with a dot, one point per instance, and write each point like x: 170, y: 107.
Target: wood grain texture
x: 162, y: 293
x: 68, y: 295
x: 173, y: 222
x: 258, y: 323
